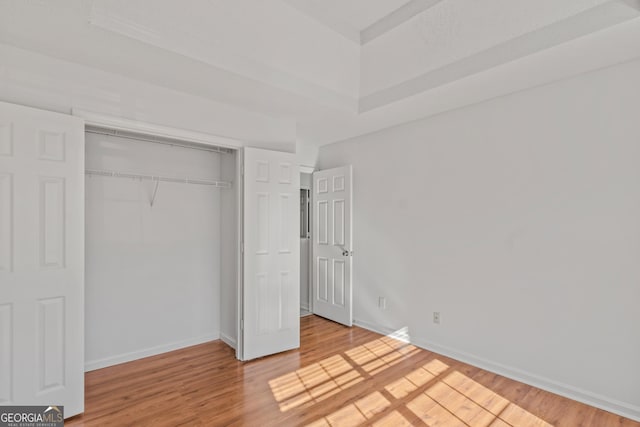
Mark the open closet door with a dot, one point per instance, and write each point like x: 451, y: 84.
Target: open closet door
x: 41, y: 259
x: 271, y: 277
x: 332, y: 244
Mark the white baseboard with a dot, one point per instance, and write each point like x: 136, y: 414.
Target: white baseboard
x: 231, y: 342
x: 304, y: 306
x: 92, y: 365
x: 373, y: 327
x: 593, y: 399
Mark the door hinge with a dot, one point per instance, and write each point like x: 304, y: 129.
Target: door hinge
x: 242, y: 324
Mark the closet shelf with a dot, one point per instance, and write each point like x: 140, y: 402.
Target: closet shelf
x: 156, y: 178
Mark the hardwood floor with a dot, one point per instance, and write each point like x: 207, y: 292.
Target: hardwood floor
x: 339, y: 377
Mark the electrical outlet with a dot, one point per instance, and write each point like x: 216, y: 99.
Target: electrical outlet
x: 382, y: 303
x: 436, y: 317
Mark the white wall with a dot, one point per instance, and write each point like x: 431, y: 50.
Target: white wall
x: 39, y: 81
x: 153, y: 274
x: 307, y: 154
x: 518, y: 220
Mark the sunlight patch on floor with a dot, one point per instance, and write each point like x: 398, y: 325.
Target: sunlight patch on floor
x: 393, y: 419
x: 432, y: 394
x: 378, y: 355
x: 314, y: 383
x: 323, y: 379
x: 415, y: 379
x: 457, y: 400
x: 356, y: 413
x: 437, y: 398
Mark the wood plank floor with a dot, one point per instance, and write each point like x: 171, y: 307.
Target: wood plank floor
x: 339, y: 377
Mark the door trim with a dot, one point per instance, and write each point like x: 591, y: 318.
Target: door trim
x: 240, y: 254
x: 118, y: 123
x: 309, y: 170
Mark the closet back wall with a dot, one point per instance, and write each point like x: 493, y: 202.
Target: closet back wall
x: 152, y: 272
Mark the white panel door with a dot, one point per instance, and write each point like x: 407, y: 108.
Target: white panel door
x: 332, y: 244
x: 271, y: 274
x: 41, y: 258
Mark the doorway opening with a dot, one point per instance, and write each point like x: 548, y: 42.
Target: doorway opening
x: 306, y: 180
x: 161, y: 238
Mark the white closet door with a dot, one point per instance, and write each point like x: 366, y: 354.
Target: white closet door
x: 41, y: 258
x: 271, y: 291
x: 332, y: 244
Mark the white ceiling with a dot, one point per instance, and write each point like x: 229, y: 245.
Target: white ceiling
x: 338, y: 68
x: 359, y: 14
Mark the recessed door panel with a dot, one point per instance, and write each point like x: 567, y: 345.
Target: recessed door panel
x: 6, y: 353
x: 6, y: 222
x: 262, y: 219
x: 51, y: 146
x: 264, y: 317
x: 338, y: 282
x: 285, y: 173
x: 338, y: 222
x: 322, y: 222
x: 322, y: 281
x: 51, y: 339
x: 52, y: 222
x: 284, y: 223
x: 6, y: 139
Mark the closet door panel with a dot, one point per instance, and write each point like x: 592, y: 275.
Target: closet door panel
x: 41, y: 258
x: 271, y: 288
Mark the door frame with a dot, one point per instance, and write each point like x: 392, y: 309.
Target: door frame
x: 309, y: 170
x: 239, y: 348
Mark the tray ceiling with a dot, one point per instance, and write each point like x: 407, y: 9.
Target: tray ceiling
x: 334, y: 66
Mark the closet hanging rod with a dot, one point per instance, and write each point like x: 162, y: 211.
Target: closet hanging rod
x: 155, y: 139
x: 220, y: 184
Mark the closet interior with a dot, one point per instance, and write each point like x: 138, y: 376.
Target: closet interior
x: 161, y: 245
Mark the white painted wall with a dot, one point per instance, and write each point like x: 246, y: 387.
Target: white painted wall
x: 517, y: 220
x: 40, y: 81
x: 307, y: 153
x: 153, y: 274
